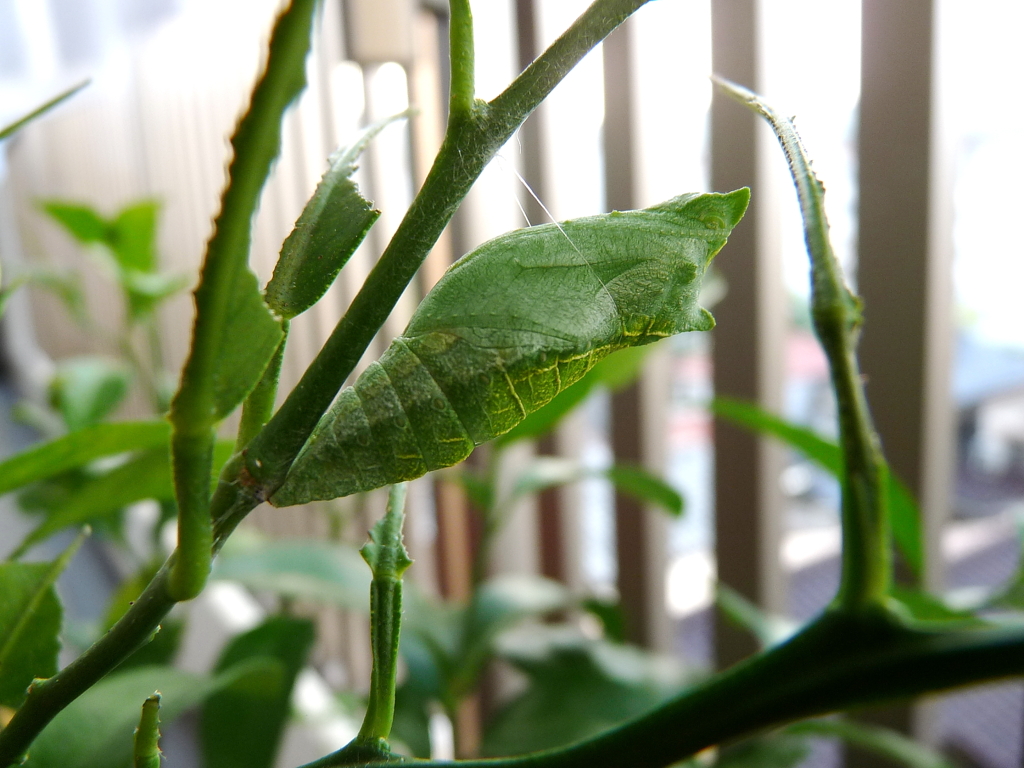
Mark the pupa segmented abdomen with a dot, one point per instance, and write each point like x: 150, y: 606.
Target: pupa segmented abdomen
x: 398, y: 421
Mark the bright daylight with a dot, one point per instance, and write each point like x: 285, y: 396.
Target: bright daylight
x: 511, y: 384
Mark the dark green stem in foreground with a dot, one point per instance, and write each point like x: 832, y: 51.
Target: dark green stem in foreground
x: 837, y: 318
x: 838, y: 662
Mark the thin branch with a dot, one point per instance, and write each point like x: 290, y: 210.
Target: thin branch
x: 837, y: 319
x: 463, y: 83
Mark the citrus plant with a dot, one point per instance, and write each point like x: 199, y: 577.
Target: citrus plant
x: 509, y: 327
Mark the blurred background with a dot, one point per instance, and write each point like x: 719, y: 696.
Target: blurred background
x: 911, y: 129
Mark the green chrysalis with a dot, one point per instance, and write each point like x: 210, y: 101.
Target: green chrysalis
x: 507, y: 328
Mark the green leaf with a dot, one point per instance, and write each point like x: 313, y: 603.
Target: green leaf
x: 241, y: 726
x: 126, y: 593
x: 87, y: 389
x: 610, y: 614
x: 549, y: 472
x: 552, y: 471
x: 432, y: 632
x: 332, y: 225
x: 8, y: 290
x: 933, y: 612
x: 411, y: 725
x: 882, y: 741
x: 65, y: 286
x: 145, y: 290
x: 80, y: 448
x: 505, y: 330
x: 823, y: 452
x: 30, y: 621
x: 131, y: 236
x: 303, y: 569
x: 768, y: 629
x: 478, y: 489
x: 775, y: 751
x: 21, y: 122
x: 618, y: 371
x: 905, y: 520
x: 95, y: 730
x: 80, y: 221
x: 250, y: 338
x: 503, y: 601
x: 577, y: 688
x: 146, y: 476
x: 904, y: 516
x: 646, y: 487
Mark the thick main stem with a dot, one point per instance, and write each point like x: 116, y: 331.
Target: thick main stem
x: 840, y: 661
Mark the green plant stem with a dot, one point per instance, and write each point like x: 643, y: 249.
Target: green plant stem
x: 246, y: 483
x: 194, y: 411
x: 492, y: 517
x: 146, y: 748
x: 259, y: 405
x: 149, y: 383
x: 385, y: 618
x: 463, y: 81
x: 192, y: 457
x: 835, y: 310
x: 839, y: 661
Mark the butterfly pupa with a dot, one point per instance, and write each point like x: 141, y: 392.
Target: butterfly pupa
x: 507, y: 328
